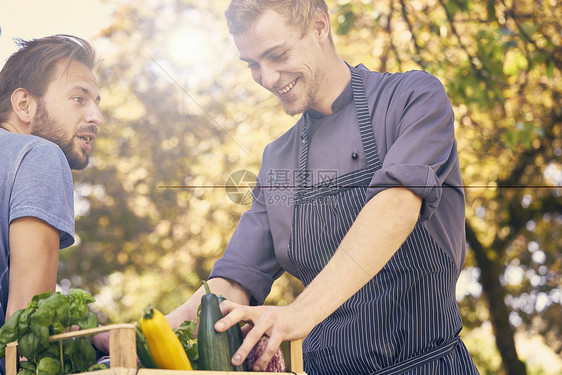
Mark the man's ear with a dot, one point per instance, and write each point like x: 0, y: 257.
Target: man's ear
x: 321, y: 24
x: 24, y: 105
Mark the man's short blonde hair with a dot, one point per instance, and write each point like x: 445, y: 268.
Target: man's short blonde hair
x: 241, y: 14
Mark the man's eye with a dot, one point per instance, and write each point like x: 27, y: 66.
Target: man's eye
x: 77, y: 99
x: 279, y: 57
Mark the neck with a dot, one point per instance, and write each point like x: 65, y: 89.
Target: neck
x: 333, y: 83
x: 13, y: 127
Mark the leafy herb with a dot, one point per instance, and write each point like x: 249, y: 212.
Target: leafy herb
x: 186, y: 334
x: 49, y: 314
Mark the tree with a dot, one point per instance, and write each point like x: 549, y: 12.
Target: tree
x: 153, y: 201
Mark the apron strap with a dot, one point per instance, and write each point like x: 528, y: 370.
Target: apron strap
x: 302, y: 176
x: 420, y: 359
x: 365, y: 129
x: 364, y: 119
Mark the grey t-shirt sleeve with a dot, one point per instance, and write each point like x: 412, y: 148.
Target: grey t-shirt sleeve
x: 421, y: 133
x: 43, y: 189
x: 249, y: 258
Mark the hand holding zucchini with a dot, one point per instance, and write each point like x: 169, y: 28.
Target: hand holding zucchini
x: 213, y: 353
x: 235, y: 339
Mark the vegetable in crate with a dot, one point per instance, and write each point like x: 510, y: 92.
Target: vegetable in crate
x: 214, y: 349
x: 277, y: 363
x: 187, y: 333
x: 49, y: 314
x: 143, y: 352
x: 163, y: 343
x: 235, y: 339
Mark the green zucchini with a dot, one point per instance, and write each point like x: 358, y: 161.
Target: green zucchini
x: 235, y: 339
x: 213, y: 346
x: 143, y: 353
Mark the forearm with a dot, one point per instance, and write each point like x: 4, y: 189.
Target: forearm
x: 34, y: 253
x: 379, y: 230
x: 219, y: 286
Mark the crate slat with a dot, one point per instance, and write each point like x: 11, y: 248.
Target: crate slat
x: 123, y: 354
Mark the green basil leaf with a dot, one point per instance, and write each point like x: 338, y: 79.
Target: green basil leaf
x: 28, y: 345
x: 42, y: 317
x: 58, y: 303
x: 89, y: 321
x: 53, y: 350
x: 35, y: 300
x: 69, y: 347
x: 87, y: 350
x: 42, y: 332
x: 23, y: 322
x: 79, y: 306
x: 27, y: 365
x: 10, y: 330
x: 48, y: 366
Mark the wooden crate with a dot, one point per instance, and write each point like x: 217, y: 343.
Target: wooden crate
x: 123, y: 353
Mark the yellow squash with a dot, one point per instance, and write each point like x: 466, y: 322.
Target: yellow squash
x: 163, y: 343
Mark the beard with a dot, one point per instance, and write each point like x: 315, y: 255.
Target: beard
x: 311, y: 92
x: 44, y: 126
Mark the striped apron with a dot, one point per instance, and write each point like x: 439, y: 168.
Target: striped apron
x: 403, y: 321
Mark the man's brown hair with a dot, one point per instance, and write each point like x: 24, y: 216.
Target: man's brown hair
x: 32, y: 66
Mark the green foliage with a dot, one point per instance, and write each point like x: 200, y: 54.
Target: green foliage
x: 49, y: 314
x: 187, y: 333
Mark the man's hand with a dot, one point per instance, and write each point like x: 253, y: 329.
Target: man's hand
x: 101, y: 342
x: 279, y: 323
x: 377, y: 233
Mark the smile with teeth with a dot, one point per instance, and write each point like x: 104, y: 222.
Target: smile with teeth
x: 287, y: 88
x: 85, y: 138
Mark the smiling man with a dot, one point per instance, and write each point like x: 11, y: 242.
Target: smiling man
x: 380, y: 244
x: 49, y: 116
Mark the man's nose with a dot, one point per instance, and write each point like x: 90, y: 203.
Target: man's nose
x: 94, y: 116
x: 269, y: 77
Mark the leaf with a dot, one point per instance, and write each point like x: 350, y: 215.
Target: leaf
x: 345, y: 19
x: 187, y: 335
x: 38, y: 297
x: 529, y: 29
x: 24, y: 320
x: 550, y: 69
x: 48, y: 366
x: 43, y: 317
x: 58, y: 303
x: 28, y: 345
x: 84, y: 354
x: 27, y: 365
x: 78, y: 308
x: 89, y: 321
x: 10, y: 329
x: 82, y: 296
x: 69, y: 347
x: 41, y: 331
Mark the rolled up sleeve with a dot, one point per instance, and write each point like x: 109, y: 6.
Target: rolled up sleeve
x: 418, y: 127
x: 249, y: 258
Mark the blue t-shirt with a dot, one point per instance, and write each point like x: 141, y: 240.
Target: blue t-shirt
x: 35, y: 181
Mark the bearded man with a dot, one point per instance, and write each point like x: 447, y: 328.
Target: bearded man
x: 49, y: 117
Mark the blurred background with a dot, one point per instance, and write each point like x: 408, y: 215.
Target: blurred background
x: 182, y: 114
